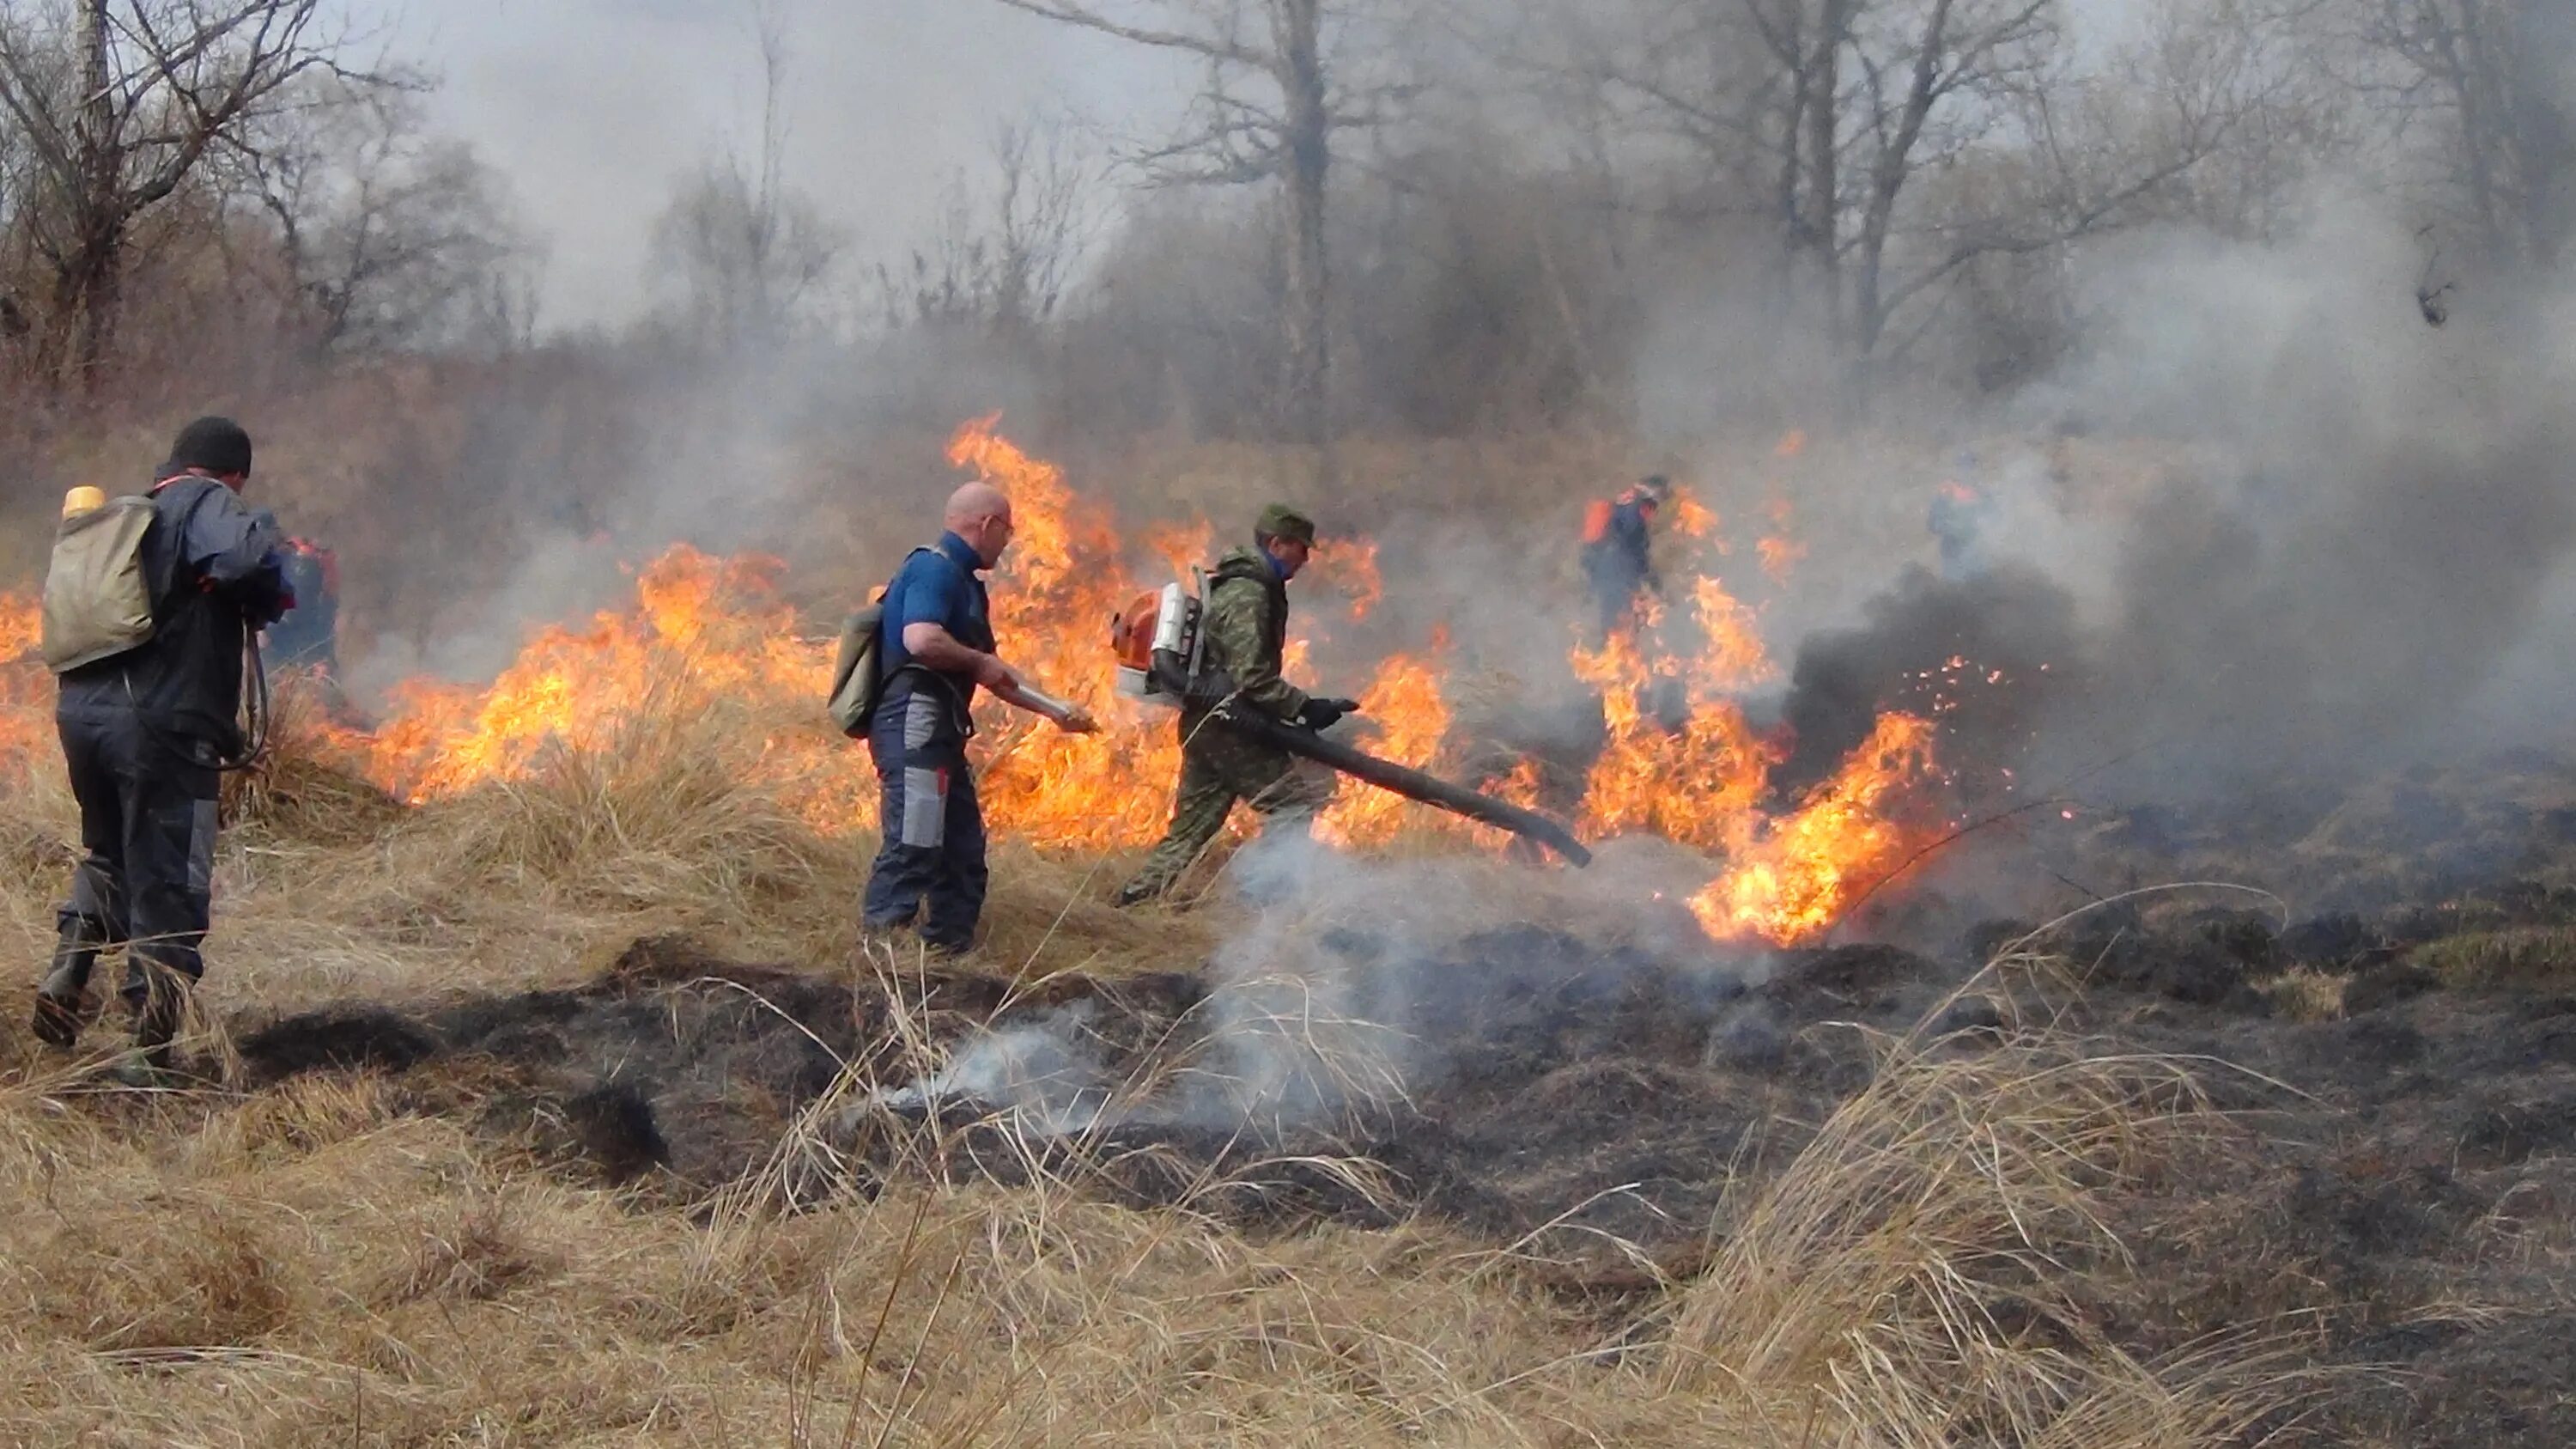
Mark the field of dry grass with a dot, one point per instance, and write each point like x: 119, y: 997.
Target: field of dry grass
x: 343, y: 1260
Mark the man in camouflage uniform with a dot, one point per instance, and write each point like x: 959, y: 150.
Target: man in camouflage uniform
x: 1244, y: 630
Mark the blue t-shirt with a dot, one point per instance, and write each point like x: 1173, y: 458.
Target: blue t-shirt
x: 938, y: 586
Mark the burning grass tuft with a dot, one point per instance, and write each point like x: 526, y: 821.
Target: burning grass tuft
x: 659, y: 820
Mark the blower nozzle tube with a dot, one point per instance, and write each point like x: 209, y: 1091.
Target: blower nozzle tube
x: 1404, y: 780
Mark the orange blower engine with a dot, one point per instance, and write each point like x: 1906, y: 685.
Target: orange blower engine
x: 1162, y: 628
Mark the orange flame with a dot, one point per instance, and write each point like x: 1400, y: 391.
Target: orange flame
x: 25, y: 688
x: 1052, y: 598
x: 1694, y: 519
x: 1797, y: 878
x: 1349, y: 565
x: 1407, y: 705
x: 1680, y: 759
x: 21, y: 626
x: 1778, y: 550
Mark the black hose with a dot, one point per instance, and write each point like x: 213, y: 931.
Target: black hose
x: 1403, y: 780
x: 255, y: 706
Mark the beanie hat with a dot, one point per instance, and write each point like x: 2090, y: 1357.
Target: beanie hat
x: 218, y: 445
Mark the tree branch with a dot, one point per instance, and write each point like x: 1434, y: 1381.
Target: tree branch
x: 1213, y: 47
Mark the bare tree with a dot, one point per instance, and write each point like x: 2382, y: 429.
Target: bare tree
x: 392, y: 238
x: 745, y: 258
x: 2225, y: 98
x: 744, y: 249
x: 120, y: 103
x: 1828, y: 116
x: 1281, y: 81
x: 2488, y: 89
x: 1003, y: 266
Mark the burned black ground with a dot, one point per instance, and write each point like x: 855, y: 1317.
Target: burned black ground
x: 2398, y: 1181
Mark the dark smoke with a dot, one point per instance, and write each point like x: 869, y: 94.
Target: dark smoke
x: 2369, y: 523
x: 2011, y: 621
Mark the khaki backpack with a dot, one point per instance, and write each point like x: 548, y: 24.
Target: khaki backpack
x: 858, y: 670
x: 98, y: 602
x: 99, y: 598
x: 858, y: 667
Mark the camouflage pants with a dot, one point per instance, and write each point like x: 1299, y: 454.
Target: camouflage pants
x: 1216, y: 770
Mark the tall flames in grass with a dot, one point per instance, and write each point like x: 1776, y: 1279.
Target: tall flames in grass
x: 705, y: 632
x: 25, y: 691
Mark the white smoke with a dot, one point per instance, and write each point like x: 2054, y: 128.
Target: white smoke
x: 1044, y: 1073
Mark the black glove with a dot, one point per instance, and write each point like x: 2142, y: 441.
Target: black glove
x: 265, y: 597
x: 1323, y: 714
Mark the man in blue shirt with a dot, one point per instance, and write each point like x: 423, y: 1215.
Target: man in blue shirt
x: 937, y: 649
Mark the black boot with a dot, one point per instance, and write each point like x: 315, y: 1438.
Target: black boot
x: 156, y: 1025
x: 60, y: 996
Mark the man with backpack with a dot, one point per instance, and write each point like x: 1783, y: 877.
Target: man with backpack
x: 148, y: 719
x: 1243, y: 630
x: 1618, y: 560
x: 935, y: 647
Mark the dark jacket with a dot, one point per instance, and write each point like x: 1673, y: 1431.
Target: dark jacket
x: 1245, y: 629
x: 220, y: 557
x: 1622, y: 559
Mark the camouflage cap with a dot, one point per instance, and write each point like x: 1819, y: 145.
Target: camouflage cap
x: 1279, y: 520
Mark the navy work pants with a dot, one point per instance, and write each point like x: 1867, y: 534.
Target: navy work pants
x: 146, y: 875
x: 932, y: 861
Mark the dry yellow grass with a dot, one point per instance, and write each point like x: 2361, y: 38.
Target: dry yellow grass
x: 323, y: 1264
x: 2534, y: 957
x: 2303, y: 993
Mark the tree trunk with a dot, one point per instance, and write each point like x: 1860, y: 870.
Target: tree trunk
x: 1823, y: 84
x: 85, y: 294
x: 2545, y: 134
x: 87, y: 286
x: 2478, y: 130
x: 1793, y: 135
x: 1307, y: 142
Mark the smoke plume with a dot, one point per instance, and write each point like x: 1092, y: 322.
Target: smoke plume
x: 2364, y: 524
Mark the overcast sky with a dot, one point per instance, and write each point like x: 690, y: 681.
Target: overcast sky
x: 593, y: 108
